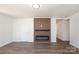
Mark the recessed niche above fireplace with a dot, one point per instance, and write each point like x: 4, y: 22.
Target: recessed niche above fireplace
x: 42, y: 29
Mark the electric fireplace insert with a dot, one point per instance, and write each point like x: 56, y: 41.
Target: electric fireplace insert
x: 43, y: 38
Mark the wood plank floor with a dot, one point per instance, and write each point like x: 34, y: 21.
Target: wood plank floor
x: 37, y: 48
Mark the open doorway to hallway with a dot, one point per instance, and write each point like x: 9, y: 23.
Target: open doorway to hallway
x: 63, y: 31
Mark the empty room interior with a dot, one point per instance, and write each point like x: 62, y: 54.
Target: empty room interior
x: 39, y: 28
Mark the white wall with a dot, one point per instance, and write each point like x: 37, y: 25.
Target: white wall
x: 63, y: 29
x: 5, y: 29
x: 74, y: 30
x: 23, y: 30
x: 53, y: 29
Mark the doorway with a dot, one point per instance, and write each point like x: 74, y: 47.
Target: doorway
x: 63, y: 31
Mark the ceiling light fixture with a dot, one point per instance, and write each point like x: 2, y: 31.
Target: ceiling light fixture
x: 36, y: 6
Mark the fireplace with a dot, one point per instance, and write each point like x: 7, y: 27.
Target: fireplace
x: 42, y: 30
x: 43, y: 38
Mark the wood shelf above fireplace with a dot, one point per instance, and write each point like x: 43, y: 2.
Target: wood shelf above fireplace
x: 42, y: 30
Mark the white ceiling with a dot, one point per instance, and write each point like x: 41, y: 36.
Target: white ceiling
x: 45, y: 10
